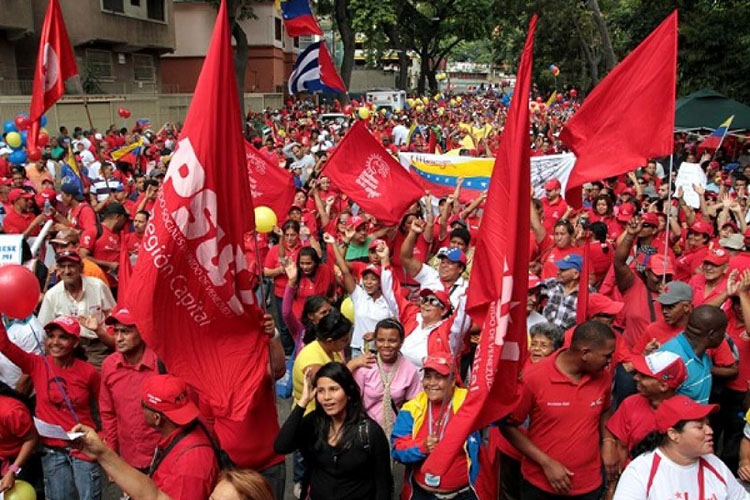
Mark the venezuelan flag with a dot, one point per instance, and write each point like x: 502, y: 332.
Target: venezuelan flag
x: 130, y: 148
x: 714, y: 140
x: 440, y: 173
x: 551, y: 99
x: 70, y: 172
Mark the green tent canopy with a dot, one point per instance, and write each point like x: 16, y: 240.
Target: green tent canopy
x: 707, y: 109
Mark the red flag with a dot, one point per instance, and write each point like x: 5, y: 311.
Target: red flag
x: 629, y: 116
x: 190, y: 288
x: 497, y: 296
x: 271, y: 185
x: 55, y: 63
x: 364, y: 171
x: 582, y: 306
x: 124, y: 271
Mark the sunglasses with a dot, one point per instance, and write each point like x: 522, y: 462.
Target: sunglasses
x: 647, y: 225
x: 433, y: 301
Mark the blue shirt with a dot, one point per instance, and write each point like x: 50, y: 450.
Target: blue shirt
x: 698, y: 383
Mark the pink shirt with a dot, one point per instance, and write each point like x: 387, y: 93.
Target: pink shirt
x: 404, y: 386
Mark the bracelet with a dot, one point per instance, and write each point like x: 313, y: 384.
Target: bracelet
x: 15, y: 469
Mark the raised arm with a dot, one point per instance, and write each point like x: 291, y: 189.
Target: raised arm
x: 349, y: 283
x: 536, y: 222
x: 623, y: 274
x: 409, y: 263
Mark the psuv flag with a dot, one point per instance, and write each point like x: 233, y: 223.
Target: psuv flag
x: 299, y: 19
x: 714, y: 140
x: 314, y: 72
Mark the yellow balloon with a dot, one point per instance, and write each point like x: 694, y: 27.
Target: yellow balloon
x: 21, y: 491
x: 441, y: 111
x: 420, y: 109
x: 13, y: 139
x: 452, y: 102
x: 265, y: 219
x: 410, y: 102
x: 347, y: 309
x: 364, y: 113
x: 426, y: 100
x: 459, y: 99
x: 383, y: 111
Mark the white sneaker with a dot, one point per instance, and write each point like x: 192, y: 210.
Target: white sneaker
x: 297, y: 490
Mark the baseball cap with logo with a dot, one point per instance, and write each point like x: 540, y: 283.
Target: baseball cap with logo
x: 626, y: 212
x: 678, y: 408
x: 674, y: 292
x: 441, y: 295
x: 167, y: 394
x: 650, y: 218
x: 552, y: 184
x: 570, y: 261
x: 660, y: 265
x: 702, y: 227
x: 355, y: 221
x: 717, y: 256
x: 122, y: 316
x: 19, y: 193
x: 441, y: 362
x: 534, y: 281
x: 372, y: 268
x: 68, y: 324
x: 68, y: 255
x: 452, y: 254
x: 374, y: 243
x: 664, y: 366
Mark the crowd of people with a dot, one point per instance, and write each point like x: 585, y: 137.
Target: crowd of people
x: 644, y: 398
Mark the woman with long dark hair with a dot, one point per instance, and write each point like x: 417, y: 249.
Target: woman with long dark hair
x: 677, y: 461
x: 346, y: 453
x: 309, y: 276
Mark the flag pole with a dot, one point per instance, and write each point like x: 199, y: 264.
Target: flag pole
x: 669, y: 213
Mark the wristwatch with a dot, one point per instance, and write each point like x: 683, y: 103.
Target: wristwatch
x: 15, y: 469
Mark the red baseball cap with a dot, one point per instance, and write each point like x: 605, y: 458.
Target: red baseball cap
x: 664, y: 366
x: 167, y: 394
x: 629, y: 191
x: 17, y: 194
x: 69, y: 255
x: 717, y: 256
x: 626, y: 212
x: 650, y: 218
x: 702, y: 227
x: 601, y: 304
x: 372, y: 268
x: 660, y: 265
x: 552, y: 184
x: 374, y: 243
x: 122, y: 316
x: 441, y: 362
x: 355, y: 221
x: 441, y: 295
x: 68, y: 324
x: 679, y: 408
x: 534, y: 281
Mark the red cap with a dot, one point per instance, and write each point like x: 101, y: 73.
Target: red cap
x: 659, y: 265
x: 374, y: 243
x: 17, y: 194
x: 679, y: 408
x: 650, y: 218
x: 441, y: 362
x: 167, y: 394
x: 6, y: 181
x: 70, y: 255
x: 295, y: 207
x: 355, y: 221
x: 664, y: 366
x: 68, y: 324
x: 645, y: 176
x: 122, y: 316
x: 372, y: 268
x: 702, y: 227
x: 717, y: 256
x: 534, y: 281
x: 629, y: 191
x: 601, y: 304
x: 625, y: 212
x: 552, y: 184
x: 441, y: 295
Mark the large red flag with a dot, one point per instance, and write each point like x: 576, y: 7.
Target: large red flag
x: 629, y: 116
x: 497, y: 296
x: 364, y: 171
x: 190, y: 289
x: 271, y: 185
x: 55, y: 63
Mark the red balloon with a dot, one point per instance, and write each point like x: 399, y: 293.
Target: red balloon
x: 559, y: 97
x: 43, y: 139
x: 22, y: 122
x: 123, y: 112
x: 348, y: 109
x: 33, y: 154
x: 19, y: 291
x: 573, y: 92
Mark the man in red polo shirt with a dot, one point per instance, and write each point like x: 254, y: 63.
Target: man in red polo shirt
x: 566, y: 398
x: 184, y: 465
x: 710, y: 287
x: 80, y: 214
x: 19, y: 220
x: 123, y: 373
x: 554, y: 206
x: 102, y: 244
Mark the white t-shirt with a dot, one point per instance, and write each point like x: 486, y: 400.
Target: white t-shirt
x: 367, y: 313
x: 400, y: 134
x: 672, y: 481
x: 21, y: 333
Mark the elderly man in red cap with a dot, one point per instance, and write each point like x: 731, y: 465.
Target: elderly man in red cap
x: 123, y: 374
x: 711, y: 286
x: 696, y: 247
x: 19, y: 219
x: 555, y: 208
x: 185, y: 464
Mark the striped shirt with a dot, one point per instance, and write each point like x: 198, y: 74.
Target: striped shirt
x: 103, y: 188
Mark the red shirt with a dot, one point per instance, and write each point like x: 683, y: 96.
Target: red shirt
x: 741, y: 261
x: 15, y: 424
x: 323, y: 283
x: 261, y: 422
x: 82, y: 217
x: 636, y: 315
x: 553, y: 212
x: 737, y: 332
x: 80, y: 381
x: 106, y: 247
x: 564, y: 422
x: 123, y: 426
x: 698, y: 282
x: 633, y: 420
x: 659, y: 330
x: 16, y: 223
x: 688, y: 263
x: 421, y: 252
x: 549, y: 268
x: 190, y: 469
x: 131, y: 242
x: 272, y: 262
x: 148, y: 207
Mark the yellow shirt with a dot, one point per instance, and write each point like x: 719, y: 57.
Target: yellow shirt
x: 311, y: 354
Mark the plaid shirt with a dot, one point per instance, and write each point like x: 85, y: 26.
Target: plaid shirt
x: 560, y: 308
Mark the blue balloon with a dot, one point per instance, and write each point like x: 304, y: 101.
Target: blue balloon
x: 9, y: 127
x: 43, y: 121
x: 24, y: 136
x: 17, y: 157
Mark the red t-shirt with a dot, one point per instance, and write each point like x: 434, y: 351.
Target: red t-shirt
x: 553, y: 212
x: 17, y: 223
x: 698, y: 282
x: 688, y: 262
x: 15, y: 424
x: 190, y: 469
x: 659, y: 330
x: 549, y: 268
x: 131, y: 242
x: 564, y: 422
x: 148, y: 207
x: 421, y: 252
x: 272, y: 262
x: 636, y: 315
x: 82, y: 217
x: 633, y: 420
x: 106, y: 247
x: 741, y: 261
x: 322, y: 283
x: 737, y: 332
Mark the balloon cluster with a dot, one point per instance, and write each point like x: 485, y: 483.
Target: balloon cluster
x: 554, y: 69
x: 16, y: 137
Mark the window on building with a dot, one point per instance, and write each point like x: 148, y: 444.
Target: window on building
x: 277, y: 29
x: 100, y: 63
x: 155, y: 10
x: 143, y: 68
x: 113, y: 5
x: 135, y: 3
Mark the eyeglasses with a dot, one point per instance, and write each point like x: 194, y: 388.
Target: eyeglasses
x: 433, y: 301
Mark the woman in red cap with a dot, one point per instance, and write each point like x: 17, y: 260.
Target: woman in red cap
x: 65, y: 386
x: 677, y: 460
